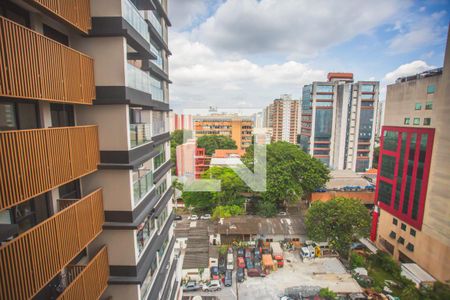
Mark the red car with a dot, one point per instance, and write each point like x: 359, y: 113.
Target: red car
x: 240, y: 262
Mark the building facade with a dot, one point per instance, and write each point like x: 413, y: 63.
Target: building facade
x: 238, y: 128
x: 283, y: 118
x: 338, y: 121
x: 180, y: 122
x: 411, y: 219
x: 86, y: 197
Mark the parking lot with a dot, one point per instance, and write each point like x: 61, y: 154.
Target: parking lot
x: 323, y: 272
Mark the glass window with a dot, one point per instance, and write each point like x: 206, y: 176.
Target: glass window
x: 426, y: 121
x: 324, y: 104
x: 392, y: 235
x: 159, y: 159
x: 394, y: 221
x: 412, y: 232
x: 410, y: 247
x: 429, y: 105
x: 162, y: 187
x: 406, y: 121
x: 416, y: 121
x: 418, y: 106
x: 144, y: 232
x: 390, y: 140
x: 367, y: 96
x: 385, y: 192
x: 145, y: 287
x: 431, y: 89
x: 401, y: 240
x: 324, y: 89
x: 367, y: 88
x: 161, y: 219
x: 158, y: 122
x: 62, y: 115
x: 324, y: 97
x: 387, y: 166
x: 142, y: 181
x: 7, y: 116
x: 403, y: 226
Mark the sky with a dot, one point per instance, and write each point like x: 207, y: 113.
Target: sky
x: 245, y: 53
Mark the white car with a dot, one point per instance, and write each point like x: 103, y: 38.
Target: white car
x: 193, y: 218
x: 282, y: 213
x: 213, y: 285
x: 205, y: 217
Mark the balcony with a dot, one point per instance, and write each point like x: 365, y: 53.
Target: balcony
x: 75, y: 12
x: 90, y: 281
x: 155, y: 22
x: 33, y: 66
x: 142, y: 187
x: 142, y: 81
x: 35, y: 161
x: 132, y: 15
x: 140, y: 134
x: 30, y: 261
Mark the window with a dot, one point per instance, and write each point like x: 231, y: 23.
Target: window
x: 412, y: 232
x: 145, y: 286
x: 56, y: 35
x: 392, y: 235
x: 431, y: 89
x: 406, y: 121
x: 401, y: 240
x: 62, y: 115
x: 160, y: 158
x: 426, y: 121
x: 324, y: 89
x: 394, y: 221
x: 7, y: 116
x: 403, y: 226
x: 410, y: 247
x: 416, y: 121
x: 367, y: 88
x: 142, y: 181
x: 70, y: 190
x: 144, y: 233
x: 14, y: 13
x: 429, y: 105
x: 14, y: 116
x: 30, y: 213
x: 418, y: 106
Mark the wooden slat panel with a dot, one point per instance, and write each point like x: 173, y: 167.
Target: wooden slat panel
x: 75, y: 12
x: 35, y: 161
x: 36, y: 67
x: 92, y: 280
x: 30, y: 261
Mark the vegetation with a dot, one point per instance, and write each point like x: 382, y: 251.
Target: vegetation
x: 227, y: 211
x: 230, y: 195
x: 357, y: 261
x: 376, y: 155
x: 327, y: 294
x: 213, y: 142
x: 291, y: 173
x: 338, y: 221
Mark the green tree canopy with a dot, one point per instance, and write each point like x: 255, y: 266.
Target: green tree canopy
x: 338, y: 221
x: 213, y: 142
x: 376, y: 155
x: 291, y: 173
x: 226, y: 211
x: 231, y: 188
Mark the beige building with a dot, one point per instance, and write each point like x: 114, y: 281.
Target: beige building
x: 413, y: 185
x: 283, y: 117
x: 238, y: 128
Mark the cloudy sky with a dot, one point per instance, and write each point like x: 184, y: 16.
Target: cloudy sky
x: 245, y: 53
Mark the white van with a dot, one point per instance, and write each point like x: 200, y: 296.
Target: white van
x: 230, y: 261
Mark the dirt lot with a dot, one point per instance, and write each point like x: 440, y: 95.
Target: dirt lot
x: 323, y: 272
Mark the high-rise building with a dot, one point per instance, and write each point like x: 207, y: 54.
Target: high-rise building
x: 238, y: 128
x: 180, y: 122
x: 412, y: 217
x: 267, y: 116
x: 338, y: 121
x: 85, y: 186
x: 284, y: 119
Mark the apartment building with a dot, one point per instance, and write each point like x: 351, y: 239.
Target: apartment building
x: 338, y: 121
x: 267, y: 116
x: 411, y: 219
x: 180, y: 122
x: 86, y: 197
x: 238, y: 128
x: 283, y: 117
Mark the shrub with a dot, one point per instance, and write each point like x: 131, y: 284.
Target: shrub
x: 227, y: 211
x: 357, y: 261
x: 327, y: 294
x: 386, y: 262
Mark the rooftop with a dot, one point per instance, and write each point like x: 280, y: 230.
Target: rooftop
x: 429, y: 73
x: 342, y: 178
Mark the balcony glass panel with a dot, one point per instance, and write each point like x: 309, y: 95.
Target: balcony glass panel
x: 142, y: 81
x: 160, y: 159
x: 155, y: 22
x: 143, y: 185
x: 158, y: 54
x: 159, y: 123
x: 140, y: 134
x: 156, y: 89
x: 144, y: 233
x: 133, y: 16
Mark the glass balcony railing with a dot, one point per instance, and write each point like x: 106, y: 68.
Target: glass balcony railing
x: 142, y: 186
x: 157, y: 53
x: 142, y: 81
x: 140, y: 134
x: 155, y: 22
x: 134, y: 17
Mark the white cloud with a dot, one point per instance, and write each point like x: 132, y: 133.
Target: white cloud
x: 417, y: 32
x: 185, y: 12
x: 201, y: 78
x: 408, y: 69
x: 296, y: 28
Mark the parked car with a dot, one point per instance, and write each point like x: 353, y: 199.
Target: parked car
x: 222, y: 266
x: 282, y: 213
x: 285, y: 298
x: 240, y: 252
x: 214, y: 272
x: 191, y: 286
x: 240, y: 276
x: 178, y: 218
x: 230, y: 250
x: 228, y: 278
x: 257, y: 254
x: 240, y: 262
x: 193, y: 218
x: 248, y: 253
x: 205, y: 217
x: 252, y: 272
x: 213, y: 285
x: 248, y: 263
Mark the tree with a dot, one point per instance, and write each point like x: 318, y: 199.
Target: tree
x: 213, y: 142
x: 226, y: 211
x: 231, y: 188
x: 376, y: 155
x: 327, y: 294
x: 266, y: 208
x: 338, y: 221
x: 291, y: 173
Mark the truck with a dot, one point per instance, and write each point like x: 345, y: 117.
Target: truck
x: 307, y: 253
x: 277, y: 254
